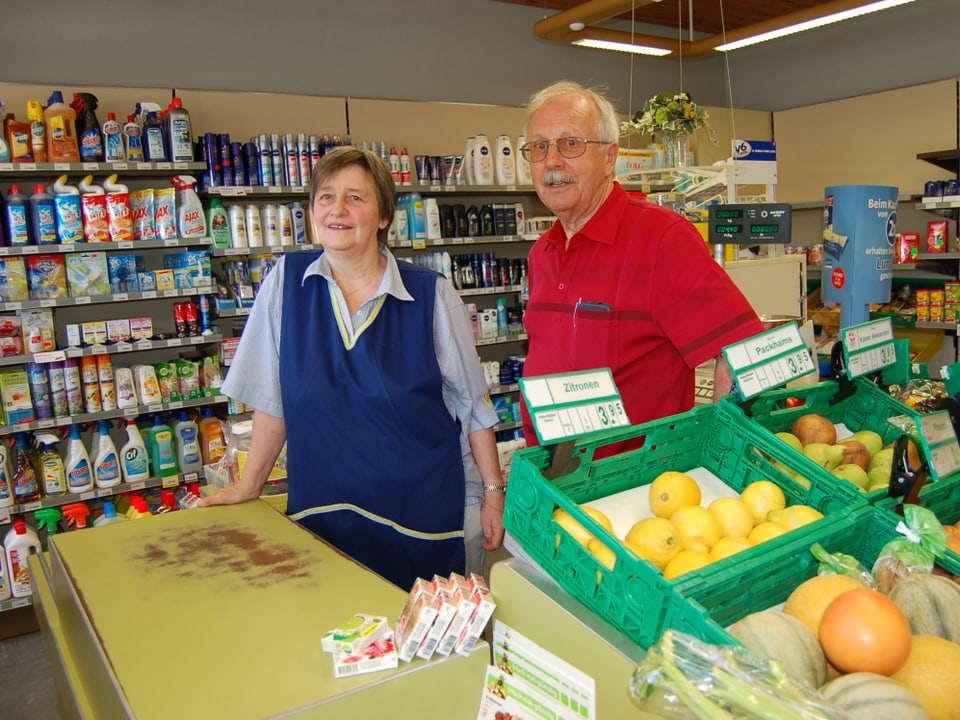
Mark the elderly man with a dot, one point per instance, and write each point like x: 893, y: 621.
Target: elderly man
x: 618, y: 282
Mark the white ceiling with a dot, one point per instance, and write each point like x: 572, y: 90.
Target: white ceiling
x: 451, y: 50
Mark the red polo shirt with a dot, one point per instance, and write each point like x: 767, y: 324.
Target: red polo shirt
x: 638, y: 291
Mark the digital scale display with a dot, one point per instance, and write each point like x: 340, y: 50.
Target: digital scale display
x: 749, y: 224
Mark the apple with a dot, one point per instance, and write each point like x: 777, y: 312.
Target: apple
x: 825, y: 455
x: 853, y: 473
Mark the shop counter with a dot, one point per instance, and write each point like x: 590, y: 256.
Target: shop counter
x: 218, y: 612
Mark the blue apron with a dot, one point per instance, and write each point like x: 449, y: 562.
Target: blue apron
x: 373, y: 455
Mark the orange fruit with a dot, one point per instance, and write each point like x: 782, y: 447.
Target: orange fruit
x: 765, y: 531
x: 671, y: 490
x: 932, y: 673
x: 733, y: 516
x: 695, y: 524
x: 761, y: 497
x: 810, y: 598
x: 654, y: 539
x: 684, y: 562
x: 863, y: 630
x: 727, y: 546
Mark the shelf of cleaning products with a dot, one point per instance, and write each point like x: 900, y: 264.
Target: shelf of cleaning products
x: 112, y: 349
x: 130, y: 412
x: 263, y: 250
x: 86, y: 168
x: 501, y: 339
x: 479, y: 240
x: 122, y: 245
x: 101, y: 299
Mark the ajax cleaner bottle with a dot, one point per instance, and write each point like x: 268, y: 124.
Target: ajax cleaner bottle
x: 191, y: 221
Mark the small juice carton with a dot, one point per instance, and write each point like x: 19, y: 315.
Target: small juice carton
x: 459, y: 597
x: 415, y: 620
x: 379, y: 655
x: 443, y: 602
x: 484, y: 607
x: 354, y: 634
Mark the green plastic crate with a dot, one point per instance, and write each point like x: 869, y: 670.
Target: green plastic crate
x: 716, y: 596
x: 634, y: 597
x: 866, y: 409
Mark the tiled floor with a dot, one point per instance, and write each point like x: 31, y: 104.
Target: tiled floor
x: 26, y: 680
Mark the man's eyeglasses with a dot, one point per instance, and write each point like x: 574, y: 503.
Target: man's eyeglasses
x: 568, y: 147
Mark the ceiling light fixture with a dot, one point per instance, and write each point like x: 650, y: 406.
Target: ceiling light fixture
x: 811, y: 24
x: 621, y: 47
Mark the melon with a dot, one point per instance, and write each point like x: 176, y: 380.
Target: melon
x: 931, y: 604
x: 811, y: 597
x: 932, y: 673
x: 776, y: 636
x: 868, y: 696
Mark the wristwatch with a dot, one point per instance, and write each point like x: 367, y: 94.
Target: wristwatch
x: 495, y: 487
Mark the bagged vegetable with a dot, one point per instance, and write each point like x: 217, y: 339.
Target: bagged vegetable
x: 923, y: 540
x: 840, y: 564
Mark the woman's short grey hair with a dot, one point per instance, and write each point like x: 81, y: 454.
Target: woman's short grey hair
x: 608, y: 125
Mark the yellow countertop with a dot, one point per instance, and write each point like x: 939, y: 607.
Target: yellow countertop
x: 218, y: 612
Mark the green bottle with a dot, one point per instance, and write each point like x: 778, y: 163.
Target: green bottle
x: 163, y: 454
x: 218, y: 223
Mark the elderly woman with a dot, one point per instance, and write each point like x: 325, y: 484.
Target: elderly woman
x: 366, y: 368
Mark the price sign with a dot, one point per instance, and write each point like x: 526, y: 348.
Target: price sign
x: 939, y: 441
x: 570, y: 405
x: 768, y: 360
x: 868, y: 347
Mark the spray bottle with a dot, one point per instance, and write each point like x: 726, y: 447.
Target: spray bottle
x: 163, y: 454
x: 79, y: 470
x: 119, y: 214
x: 19, y: 544
x: 134, y: 460
x: 38, y: 131
x: 106, y: 465
x: 66, y: 203
x: 109, y: 515
x: 48, y: 522
x: 26, y: 487
x: 192, y: 223
x: 88, y: 127
x: 53, y: 477
x: 76, y: 515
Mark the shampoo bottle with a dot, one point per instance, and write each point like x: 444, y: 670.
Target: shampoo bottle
x: 79, y: 471
x: 134, y: 461
x: 432, y: 217
x: 187, y: 442
x: 218, y: 223
x: 163, y: 454
x: 106, y: 465
x: 505, y: 167
x: 254, y: 229
x: 416, y: 217
x: 26, y: 487
x: 53, y: 476
x: 523, y: 165
x: 468, y: 161
x: 482, y: 161
x: 238, y: 226
x: 21, y: 542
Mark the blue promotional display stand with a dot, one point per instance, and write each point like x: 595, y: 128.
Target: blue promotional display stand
x: 859, y: 230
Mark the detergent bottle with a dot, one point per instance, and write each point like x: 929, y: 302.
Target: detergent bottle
x: 43, y: 216
x: 191, y: 221
x: 154, y: 143
x: 89, y: 136
x: 79, y: 469
x: 163, y: 453
x: 119, y: 214
x: 179, y: 132
x: 21, y: 542
x: 138, y: 508
x: 61, y: 130
x: 93, y: 208
x: 26, y: 487
x: 53, y: 478
x: 113, y: 140
x: 109, y: 515
x: 6, y: 490
x: 186, y: 441
x: 17, y: 217
x: 48, y: 522
x: 106, y: 465
x: 133, y: 139
x: 66, y: 203
x: 134, y: 460
x: 212, y: 442
x: 38, y: 131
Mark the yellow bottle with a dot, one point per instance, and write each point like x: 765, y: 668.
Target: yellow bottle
x: 38, y: 131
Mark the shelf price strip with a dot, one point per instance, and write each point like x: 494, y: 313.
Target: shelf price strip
x: 940, y: 443
x: 768, y: 360
x: 568, y: 405
x: 868, y: 347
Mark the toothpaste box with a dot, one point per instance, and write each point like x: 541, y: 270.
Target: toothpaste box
x: 355, y: 633
x: 379, y: 655
x: 415, y: 620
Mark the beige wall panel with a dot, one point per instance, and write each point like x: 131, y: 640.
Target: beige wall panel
x: 431, y: 128
x: 872, y: 140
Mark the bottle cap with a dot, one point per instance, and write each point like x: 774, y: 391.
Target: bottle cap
x: 38, y: 188
x: 111, y: 116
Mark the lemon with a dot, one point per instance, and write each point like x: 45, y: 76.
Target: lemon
x: 684, y: 562
x: 655, y: 539
x: 727, y: 546
x: 794, y: 516
x: 733, y: 516
x: 671, y: 490
x: 696, y: 524
x: 577, y: 531
x: 761, y: 497
x: 765, y: 531
x: 601, y: 552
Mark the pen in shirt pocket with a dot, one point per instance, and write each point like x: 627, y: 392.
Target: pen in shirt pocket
x: 589, y: 305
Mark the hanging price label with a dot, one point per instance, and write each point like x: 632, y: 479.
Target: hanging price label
x: 868, y: 347
x: 569, y: 405
x: 939, y: 441
x: 768, y: 360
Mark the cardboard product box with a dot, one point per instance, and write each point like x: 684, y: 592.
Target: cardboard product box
x: 164, y: 279
x: 87, y: 273
x: 923, y: 313
x: 951, y: 291
x: 354, y: 634
x: 936, y: 313
x: 950, y: 313
x: 146, y: 280
x: 11, y: 337
x: 93, y: 332
x: 415, y: 620
x: 937, y: 236
x: 118, y: 330
x: 122, y: 271
x: 13, y: 280
x: 923, y: 296
x: 936, y: 298
x: 141, y: 328
x: 15, y: 394
x: 46, y: 277
x: 379, y: 655
x: 907, y: 247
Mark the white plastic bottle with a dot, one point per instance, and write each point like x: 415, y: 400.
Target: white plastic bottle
x: 238, y: 226
x: 468, y: 161
x: 6, y: 491
x: 192, y: 223
x: 254, y: 229
x: 79, y: 470
x: 4, y: 577
x: 109, y: 515
x: 21, y: 542
x: 432, y: 214
x: 134, y: 459
x: 523, y: 165
x: 112, y: 140
x: 482, y: 161
x: 505, y: 167
x: 106, y: 466
x: 270, y: 224
x: 186, y: 440
x: 285, y: 223
x: 298, y: 218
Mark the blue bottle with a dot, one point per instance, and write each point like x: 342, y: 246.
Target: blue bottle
x: 154, y: 141
x: 43, y: 216
x: 16, y: 215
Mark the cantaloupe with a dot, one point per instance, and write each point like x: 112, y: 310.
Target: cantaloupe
x: 868, y: 696
x: 932, y: 673
x: 931, y: 604
x: 811, y: 597
x: 777, y: 636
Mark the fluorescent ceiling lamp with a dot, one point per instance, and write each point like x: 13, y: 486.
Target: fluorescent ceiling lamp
x: 811, y: 24
x: 623, y: 47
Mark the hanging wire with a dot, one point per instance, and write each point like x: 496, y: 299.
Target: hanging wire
x: 680, y: 39
x: 633, y: 21
x: 726, y: 64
